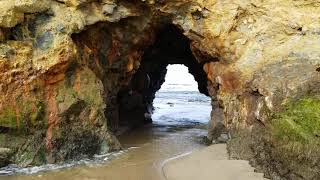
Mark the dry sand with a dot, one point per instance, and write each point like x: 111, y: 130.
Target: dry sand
x: 211, y: 163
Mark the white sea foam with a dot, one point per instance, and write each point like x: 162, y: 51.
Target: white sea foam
x: 96, y: 160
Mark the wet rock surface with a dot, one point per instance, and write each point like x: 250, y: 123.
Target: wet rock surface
x: 5, y: 154
x: 63, y: 64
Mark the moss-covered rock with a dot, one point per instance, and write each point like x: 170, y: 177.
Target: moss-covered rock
x: 32, y: 151
x: 294, y: 133
x: 288, y: 147
x: 8, y: 118
x: 26, y: 117
x: 299, y: 122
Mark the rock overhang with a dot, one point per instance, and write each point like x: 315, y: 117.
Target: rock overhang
x: 255, y: 55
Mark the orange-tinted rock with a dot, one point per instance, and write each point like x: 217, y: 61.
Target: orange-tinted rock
x: 63, y: 63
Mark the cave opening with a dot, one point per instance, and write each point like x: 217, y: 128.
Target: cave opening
x: 179, y: 103
x: 136, y: 100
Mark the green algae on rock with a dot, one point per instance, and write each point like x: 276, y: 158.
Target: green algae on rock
x: 288, y: 146
x: 295, y: 136
x: 63, y: 63
x: 298, y: 122
x: 30, y: 117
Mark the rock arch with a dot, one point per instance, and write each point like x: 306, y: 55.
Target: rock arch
x: 170, y: 47
x: 62, y: 64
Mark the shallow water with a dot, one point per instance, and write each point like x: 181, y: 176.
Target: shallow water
x: 180, y: 119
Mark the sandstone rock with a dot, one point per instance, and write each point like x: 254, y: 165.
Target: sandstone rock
x: 109, y: 8
x: 74, y: 2
x: 32, y: 6
x: 255, y: 55
x: 223, y: 138
x: 9, y: 15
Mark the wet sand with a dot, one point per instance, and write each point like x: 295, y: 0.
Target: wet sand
x: 150, y: 147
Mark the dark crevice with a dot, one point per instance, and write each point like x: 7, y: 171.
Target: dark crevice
x: 256, y: 93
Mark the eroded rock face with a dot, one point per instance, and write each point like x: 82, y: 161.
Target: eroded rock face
x: 63, y: 63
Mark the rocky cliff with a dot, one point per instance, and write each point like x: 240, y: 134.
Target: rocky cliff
x: 65, y: 65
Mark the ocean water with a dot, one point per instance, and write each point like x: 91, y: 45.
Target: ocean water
x: 181, y: 108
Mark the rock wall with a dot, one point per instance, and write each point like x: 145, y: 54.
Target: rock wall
x: 63, y: 62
